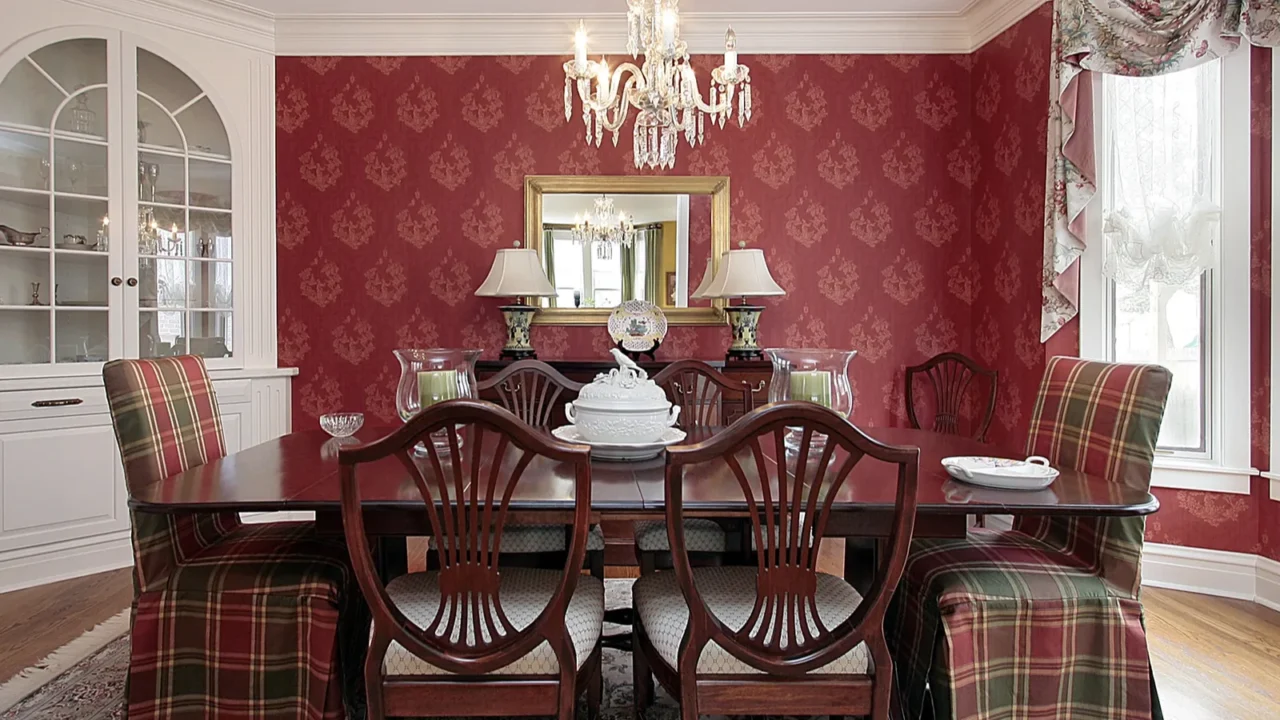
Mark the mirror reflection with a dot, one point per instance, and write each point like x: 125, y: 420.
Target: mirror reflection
x: 600, y: 249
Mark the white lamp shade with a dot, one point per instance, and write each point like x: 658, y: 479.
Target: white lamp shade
x: 702, y: 286
x: 516, y: 272
x: 743, y: 273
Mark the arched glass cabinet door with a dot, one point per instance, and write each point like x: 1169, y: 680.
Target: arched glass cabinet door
x: 184, y: 244
x: 55, y: 179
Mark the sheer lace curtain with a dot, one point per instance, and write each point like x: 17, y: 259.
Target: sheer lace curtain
x: 1161, y: 216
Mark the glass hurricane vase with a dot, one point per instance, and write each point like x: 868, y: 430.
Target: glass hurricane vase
x: 815, y: 375
x: 434, y: 375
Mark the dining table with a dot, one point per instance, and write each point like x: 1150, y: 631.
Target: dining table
x: 299, y: 471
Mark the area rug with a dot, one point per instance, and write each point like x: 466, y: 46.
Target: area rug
x: 93, y: 688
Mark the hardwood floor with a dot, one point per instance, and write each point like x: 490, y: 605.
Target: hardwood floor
x: 36, y: 621
x: 1215, y: 659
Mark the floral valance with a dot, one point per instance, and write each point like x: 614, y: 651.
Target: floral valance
x: 1120, y: 37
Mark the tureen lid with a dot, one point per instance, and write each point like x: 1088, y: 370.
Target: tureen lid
x: 628, y: 382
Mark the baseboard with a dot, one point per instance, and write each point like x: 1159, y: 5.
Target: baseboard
x: 1212, y: 572
x: 65, y: 560
x: 1269, y: 583
x: 1209, y: 572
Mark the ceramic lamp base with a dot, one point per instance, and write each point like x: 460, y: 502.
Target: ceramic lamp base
x: 519, y: 318
x: 744, y: 323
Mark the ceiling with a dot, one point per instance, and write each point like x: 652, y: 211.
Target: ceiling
x: 566, y: 208
x: 591, y: 7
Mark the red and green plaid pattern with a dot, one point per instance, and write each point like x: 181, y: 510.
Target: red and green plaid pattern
x: 1044, y: 621
x: 229, y: 620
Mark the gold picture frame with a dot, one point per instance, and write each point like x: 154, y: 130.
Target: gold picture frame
x: 717, y: 186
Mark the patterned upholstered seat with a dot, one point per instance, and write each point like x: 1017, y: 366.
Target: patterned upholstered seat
x: 524, y: 593
x: 228, y: 620
x: 1043, y: 621
x: 524, y: 539
x: 657, y: 599
x: 700, y: 535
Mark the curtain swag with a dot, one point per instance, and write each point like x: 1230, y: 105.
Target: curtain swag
x: 1119, y: 37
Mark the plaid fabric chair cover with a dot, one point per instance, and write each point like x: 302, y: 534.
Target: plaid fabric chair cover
x: 229, y: 620
x: 1043, y: 621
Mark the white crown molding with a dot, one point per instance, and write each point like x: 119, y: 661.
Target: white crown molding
x: 551, y: 34
x: 222, y: 20
x: 958, y: 32
x: 988, y: 18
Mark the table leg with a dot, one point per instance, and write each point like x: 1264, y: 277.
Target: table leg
x: 392, y: 557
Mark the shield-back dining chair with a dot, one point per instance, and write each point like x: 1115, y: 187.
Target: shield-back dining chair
x: 536, y: 393
x: 1044, y: 620
x: 707, y: 398
x: 228, y: 620
x: 472, y: 638
x: 950, y: 378
x: 775, y: 637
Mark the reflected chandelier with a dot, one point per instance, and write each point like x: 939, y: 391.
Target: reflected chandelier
x: 605, y: 227
x: 664, y: 89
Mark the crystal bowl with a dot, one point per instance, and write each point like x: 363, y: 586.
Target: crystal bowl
x: 342, y: 424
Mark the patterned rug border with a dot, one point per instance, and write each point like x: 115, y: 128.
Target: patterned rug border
x: 32, y: 679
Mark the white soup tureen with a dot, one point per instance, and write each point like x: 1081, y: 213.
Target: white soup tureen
x: 622, y: 406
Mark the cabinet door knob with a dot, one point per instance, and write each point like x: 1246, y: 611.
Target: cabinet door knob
x: 133, y: 282
x: 116, y: 281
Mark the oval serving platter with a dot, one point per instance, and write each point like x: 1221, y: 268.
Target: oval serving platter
x: 1034, y: 473
x: 637, y: 325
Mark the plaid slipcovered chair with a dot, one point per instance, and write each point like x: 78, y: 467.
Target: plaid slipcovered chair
x: 228, y: 620
x: 1045, y: 620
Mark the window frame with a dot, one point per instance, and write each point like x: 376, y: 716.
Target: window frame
x: 1224, y: 466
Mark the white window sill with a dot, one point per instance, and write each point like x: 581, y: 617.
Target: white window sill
x: 1275, y: 484
x: 1202, y: 476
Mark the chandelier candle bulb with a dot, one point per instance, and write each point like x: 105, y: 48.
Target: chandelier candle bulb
x: 731, y: 54
x: 580, y: 47
x: 669, y: 27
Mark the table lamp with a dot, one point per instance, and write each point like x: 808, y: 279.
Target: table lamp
x: 743, y: 273
x: 697, y: 294
x: 517, y: 273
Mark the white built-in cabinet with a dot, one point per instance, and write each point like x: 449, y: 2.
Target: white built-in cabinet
x: 137, y: 199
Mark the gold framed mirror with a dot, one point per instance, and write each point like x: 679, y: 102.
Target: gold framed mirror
x: 672, y: 230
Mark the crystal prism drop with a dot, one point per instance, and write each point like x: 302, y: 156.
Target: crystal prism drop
x: 568, y: 100
x: 700, y: 132
x: 746, y: 95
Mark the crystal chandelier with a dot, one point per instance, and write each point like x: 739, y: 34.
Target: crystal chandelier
x: 664, y: 90
x: 605, y: 227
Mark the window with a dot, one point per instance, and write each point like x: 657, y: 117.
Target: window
x: 1163, y: 144
x: 578, y: 268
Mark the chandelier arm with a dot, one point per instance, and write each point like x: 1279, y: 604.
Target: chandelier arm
x: 621, y: 110
x: 593, y: 103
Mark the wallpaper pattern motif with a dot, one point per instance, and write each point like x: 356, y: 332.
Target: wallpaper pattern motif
x: 400, y: 177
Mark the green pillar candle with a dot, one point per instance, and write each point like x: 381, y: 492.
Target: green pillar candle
x: 811, y: 386
x: 436, y: 386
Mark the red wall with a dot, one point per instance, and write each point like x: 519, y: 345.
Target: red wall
x: 898, y: 198
x: 398, y: 178
x: 1010, y: 86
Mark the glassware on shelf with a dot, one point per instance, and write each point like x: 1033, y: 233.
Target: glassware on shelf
x: 431, y: 376
x: 83, y: 120
x: 74, y: 169
x: 44, y: 172
x: 35, y: 294
x: 816, y: 375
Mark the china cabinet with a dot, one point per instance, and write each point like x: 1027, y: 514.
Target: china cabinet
x: 135, y: 221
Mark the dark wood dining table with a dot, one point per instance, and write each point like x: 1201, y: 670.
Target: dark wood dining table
x: 299, y: 472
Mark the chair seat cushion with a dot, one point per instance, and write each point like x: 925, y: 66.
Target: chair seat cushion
x: 1000, y: 565
x: 730, y: 595
x: 523, y: 593
x: 284, y: 558
x: 523, y: 539
x: 700, y: 535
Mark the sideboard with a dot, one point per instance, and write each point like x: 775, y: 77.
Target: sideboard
x: 620, y: 534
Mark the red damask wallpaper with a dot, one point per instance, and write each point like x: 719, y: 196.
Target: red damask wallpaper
x: 1010, y: 90
x: 898, y: 199
x: 399, y: 177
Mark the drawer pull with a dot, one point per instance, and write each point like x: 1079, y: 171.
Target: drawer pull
x: 759, y: 388
x: 57, y: 403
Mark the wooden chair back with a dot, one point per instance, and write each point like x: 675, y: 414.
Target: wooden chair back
x: 789, y: 513
x: 531, y: 389
x: 466, y: 488
x: 950, y: 377
x: 701, y: 391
